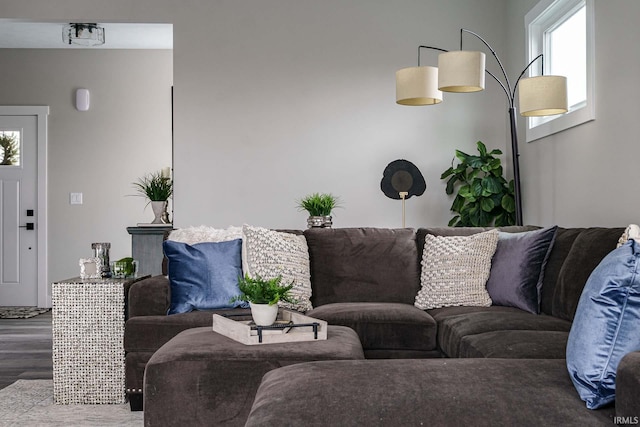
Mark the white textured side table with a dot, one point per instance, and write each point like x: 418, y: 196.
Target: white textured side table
x: 88, y: 332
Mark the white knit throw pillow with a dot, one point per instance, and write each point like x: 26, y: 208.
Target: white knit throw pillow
x: 203, y: 233
x: 268, y: 254
x: 455, y: 270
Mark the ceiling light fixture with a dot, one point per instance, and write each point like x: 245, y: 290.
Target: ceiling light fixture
x: 83, y: 34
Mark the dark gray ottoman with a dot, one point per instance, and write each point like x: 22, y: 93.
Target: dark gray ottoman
x: 423, y: 392
x: 203, y: 378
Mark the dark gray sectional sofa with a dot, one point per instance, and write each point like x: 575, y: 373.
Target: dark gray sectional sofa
x: 367, y: 279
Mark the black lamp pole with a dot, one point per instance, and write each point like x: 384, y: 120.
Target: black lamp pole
x: 511, y: 93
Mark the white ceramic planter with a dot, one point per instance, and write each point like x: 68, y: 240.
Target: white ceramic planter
x: 264, y: 314
x: 160, y: 212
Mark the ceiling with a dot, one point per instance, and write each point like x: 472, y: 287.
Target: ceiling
x: 48, y: 35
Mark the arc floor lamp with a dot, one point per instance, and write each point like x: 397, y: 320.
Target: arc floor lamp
x: 464, y: 71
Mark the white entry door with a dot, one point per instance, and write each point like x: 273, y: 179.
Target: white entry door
x: 19, y: 260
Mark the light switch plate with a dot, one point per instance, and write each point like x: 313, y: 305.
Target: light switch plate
x: 75, y: 198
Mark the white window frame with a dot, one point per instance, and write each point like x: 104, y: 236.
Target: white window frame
x: 547, y: 14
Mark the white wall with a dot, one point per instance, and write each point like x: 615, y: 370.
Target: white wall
x: 586, y: 176
x: 125, y: 134
x: 275, y: 99
x: 293, y: 97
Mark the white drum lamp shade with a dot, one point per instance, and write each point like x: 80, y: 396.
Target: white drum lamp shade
x: 543, y: 96
x: 461, y: 71
x: 417, y: 86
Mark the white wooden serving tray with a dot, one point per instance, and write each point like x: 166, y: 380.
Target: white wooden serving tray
x: 246, y: 332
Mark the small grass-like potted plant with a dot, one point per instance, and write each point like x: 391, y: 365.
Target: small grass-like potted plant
x: 263, y: 296
x: 157, y: 187
x: 319, y: 207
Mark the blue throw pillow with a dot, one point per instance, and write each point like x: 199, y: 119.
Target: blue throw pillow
x: 606, y: 326
x: 517, y: 268
x: 203, y: 276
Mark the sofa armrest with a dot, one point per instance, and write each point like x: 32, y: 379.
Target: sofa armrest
x: 628, y: 386
x: 149, y: 297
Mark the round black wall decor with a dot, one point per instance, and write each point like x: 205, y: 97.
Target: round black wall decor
x: 402, y: 176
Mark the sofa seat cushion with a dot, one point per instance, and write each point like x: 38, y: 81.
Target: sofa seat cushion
x: 149, y: 333
x: 452, y: 329
x: 627, y: 386
x: 515, y: 345
x: 430, y: 392
x: 440, y: 314
x: 389, y: 326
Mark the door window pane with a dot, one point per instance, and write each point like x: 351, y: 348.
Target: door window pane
x: 10, y: 148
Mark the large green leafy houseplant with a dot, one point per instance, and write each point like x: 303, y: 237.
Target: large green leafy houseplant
x: 484, y: 197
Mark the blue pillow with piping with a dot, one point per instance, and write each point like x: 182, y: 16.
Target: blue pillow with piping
x: 606, y: 326
x: 203, y: 276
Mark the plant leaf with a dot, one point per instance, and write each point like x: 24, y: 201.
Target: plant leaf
x: 475, y: 162
x: 458, y: 203
x: 462, y: 156
x: 492, y: 184
x: 508, y: 203
x: 476, y: 187
x: 487, y: 204
x: 450, y: 184
x: 447, y: 172
x: 482, y: 148
x: 500, y: 220
x: 465, y: 191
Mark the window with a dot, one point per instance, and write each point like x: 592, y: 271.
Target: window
x: 9, y: 148
x: 562, y: 30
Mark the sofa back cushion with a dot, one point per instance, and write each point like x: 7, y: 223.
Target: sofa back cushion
x: 588, y: 249
x: 559, y: 251
x: 363, y: 265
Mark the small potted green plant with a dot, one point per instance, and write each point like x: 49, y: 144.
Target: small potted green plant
x: 319, y: 207
x: 263, y: 296
x: 157, y: 187
x: 124, y: 268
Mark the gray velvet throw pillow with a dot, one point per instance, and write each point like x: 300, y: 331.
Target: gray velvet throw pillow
x: 517, y: 268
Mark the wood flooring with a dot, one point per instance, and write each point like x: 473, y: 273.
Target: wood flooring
x: 25, y: 349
